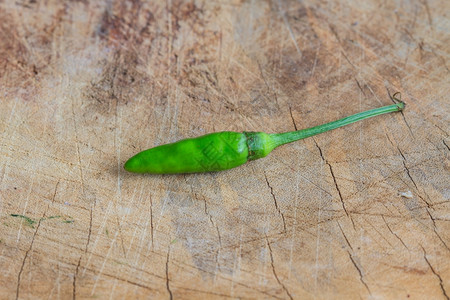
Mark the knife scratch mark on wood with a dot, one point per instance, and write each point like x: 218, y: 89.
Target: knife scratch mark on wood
x: 315, y: 62
x: 379, y: 233
x: 26, y: 205
x: 316, y: 275
x: 316, y: 264
x: 98, y: 235
x: 218, y: 267
x: 237, y: 260
x: 9, y: 157
x: 130, y: 244
x: 134, y: 283
x: 163, y: 208
x: 134, y: 265
x: 117, y: 143
x: 33, y: 171
x: 83, y: 192
x: 288, y: 26
x: 99, y: 274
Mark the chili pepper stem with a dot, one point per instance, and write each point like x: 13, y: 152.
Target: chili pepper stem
x: 288, y: 137
x: 225, y: 150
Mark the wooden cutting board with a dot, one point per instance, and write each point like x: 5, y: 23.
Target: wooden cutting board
x: 359, y: 212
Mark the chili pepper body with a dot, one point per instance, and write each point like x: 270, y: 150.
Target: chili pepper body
x: 212, y: 152
x: 225, y: 150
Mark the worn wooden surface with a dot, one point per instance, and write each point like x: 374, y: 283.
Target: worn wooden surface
x: 83, y: 86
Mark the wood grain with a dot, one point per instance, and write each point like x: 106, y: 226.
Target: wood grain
x: 85, y: 85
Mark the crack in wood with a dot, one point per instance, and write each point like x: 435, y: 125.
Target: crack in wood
x: 345, y: 236
x: 292, y: 118
x: 361, y: 276
x: 335, y: 184
x: 19, y: 276
x: 82, y: 255
x: 179, y: 63
x: 74, y: 282
x: 167, y: 274
x: 360, y: 87
x: 441, y: 283
x: 393, y: 233
x: 274, y: 272
x: 443, y: 141
x: 407, y: 169
x: 435, y: 229
x: 151, y: 221
x: 276, y: 204
x: 214, y: 225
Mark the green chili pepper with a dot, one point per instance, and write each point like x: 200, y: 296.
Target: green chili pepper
x: 225, y: 150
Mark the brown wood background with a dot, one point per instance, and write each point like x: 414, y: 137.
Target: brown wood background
x: 85, y: 85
